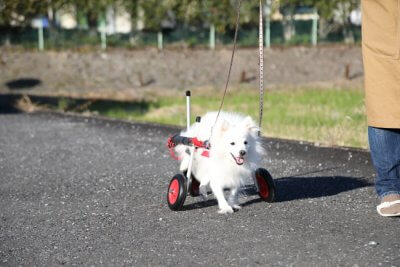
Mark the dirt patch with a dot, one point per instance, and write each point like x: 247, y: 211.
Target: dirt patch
x: 126, y: 74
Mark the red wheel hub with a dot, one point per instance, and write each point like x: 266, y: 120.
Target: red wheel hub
x: 173, y: 191
x: 262, y: 186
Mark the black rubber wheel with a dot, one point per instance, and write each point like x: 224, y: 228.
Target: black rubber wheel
x: 266, y: 185
x: 177, y: 192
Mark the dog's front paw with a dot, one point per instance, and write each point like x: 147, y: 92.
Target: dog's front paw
x: 225, y: 210
x: 236, y: 207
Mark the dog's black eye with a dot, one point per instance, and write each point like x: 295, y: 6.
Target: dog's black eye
x: 233, y: 143
x: 245, y: 142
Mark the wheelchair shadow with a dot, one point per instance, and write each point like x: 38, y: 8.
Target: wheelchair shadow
x: 295, y: 188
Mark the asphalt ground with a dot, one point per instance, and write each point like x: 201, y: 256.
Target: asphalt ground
x: 91, y: 191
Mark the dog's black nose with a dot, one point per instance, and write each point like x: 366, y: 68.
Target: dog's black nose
x: 242, y: 152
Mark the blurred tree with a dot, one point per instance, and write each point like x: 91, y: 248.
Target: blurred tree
x: 288, y: 9
x: 151, y: 14
x: 21, y: 12
x: 221, y: 13
x: 336, y: 12
x: 94, y: 10
x: 131, y: 6
x: 333, y: 14
x: 249, y: 13
x: 156, y: 14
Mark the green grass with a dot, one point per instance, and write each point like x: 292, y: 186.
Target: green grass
x: 334, y: 117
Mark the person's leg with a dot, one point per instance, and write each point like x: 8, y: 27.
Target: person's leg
x: 385, y: 152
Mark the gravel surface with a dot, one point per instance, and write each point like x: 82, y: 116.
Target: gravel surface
x: 127, y: 73
x: 89, y: 191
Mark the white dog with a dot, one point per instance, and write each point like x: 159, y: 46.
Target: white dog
x: 234, y: 155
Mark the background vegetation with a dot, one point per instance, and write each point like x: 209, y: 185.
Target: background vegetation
x: 330, y: 117
x: 326, y: 116
x: 179, y: 20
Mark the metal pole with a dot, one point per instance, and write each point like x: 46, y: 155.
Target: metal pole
x: 192, y: 149
x: 40, y: 35
x: 103, y: 36
x: 187, y: 110
x: 212, y: 36
x: 314, y: 30
x: 160, y: 40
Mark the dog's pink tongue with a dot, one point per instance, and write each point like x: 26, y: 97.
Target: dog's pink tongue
x: 239, y: 160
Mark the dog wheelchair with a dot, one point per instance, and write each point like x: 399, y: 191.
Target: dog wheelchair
x: 186, y: 183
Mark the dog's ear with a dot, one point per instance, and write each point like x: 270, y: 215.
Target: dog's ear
x: 224, y: 126
x: 249, y: 124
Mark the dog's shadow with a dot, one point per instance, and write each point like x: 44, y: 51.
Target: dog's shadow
x: 296, y: 188
x: 201, y: 204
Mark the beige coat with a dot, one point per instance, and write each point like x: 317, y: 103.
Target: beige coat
x: 381, y: 56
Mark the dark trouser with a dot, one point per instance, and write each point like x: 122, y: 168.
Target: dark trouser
x: 385, y: 152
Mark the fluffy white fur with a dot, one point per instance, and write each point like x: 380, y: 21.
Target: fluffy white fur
x: 235, y: 153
